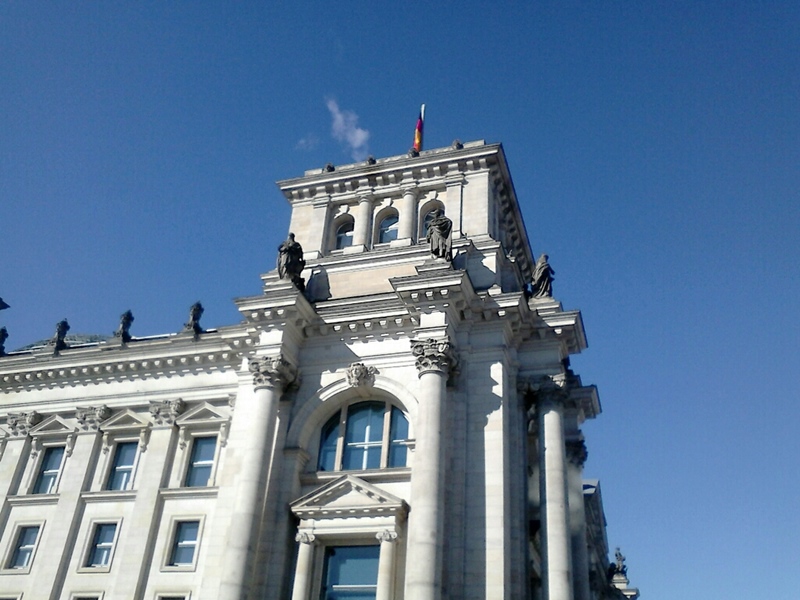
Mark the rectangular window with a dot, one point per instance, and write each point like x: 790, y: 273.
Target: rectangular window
x: 23, y: 549
x: 121, y: 475
x: 201, y: 461
x: 184, y: 544
x: 49, y: 470
x: 102, y: 545
x: 351, y: 573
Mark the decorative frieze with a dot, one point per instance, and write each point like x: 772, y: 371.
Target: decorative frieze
x: 272, y: 372
x: 434, y: 355
x: 90, y: 417
x: 164, y: 412
x: 20, y: 423
x: 358, y: 375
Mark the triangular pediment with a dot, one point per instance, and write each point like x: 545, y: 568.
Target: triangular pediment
x: 202, y: 414
x: 53, y: 425
x: 125, y: 419
x: 347, y: 496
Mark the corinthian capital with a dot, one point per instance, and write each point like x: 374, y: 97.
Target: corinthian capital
x: 546, y: 389
x: 434, y: 355
x: 577, y: 452
x: 272, y: 372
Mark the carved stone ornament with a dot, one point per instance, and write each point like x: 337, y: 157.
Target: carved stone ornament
x: 305, y: 538
x: 124, y: 330
x: 577, y: 452
x: 386, y: 536
x: 272, y: 372
x: 20, y: 423
x: 90, y: 417
x: 434, y: 355
x: 358, y: 374
x: 164, y: 412
x: 3, y: 338
x: 549, y: 389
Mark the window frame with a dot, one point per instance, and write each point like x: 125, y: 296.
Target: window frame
x: 347, y: 221
x: 172, y: 543
x: 39, y: 471
x: 321, y: 566
x: 189, y: 464
x: 89, y: 546
x: 382, y: 216
x: 14, y: 547
x: 386, y: 443
x: 110, y: 468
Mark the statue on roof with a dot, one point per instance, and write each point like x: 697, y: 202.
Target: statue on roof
x: 3, y: 305
x: 3, y: 338
x: 542, y: 284
x: 440, y: 236
x: 59, y: 342
x: 195, y: 312
x: 123, y: 331
x: 291, y: 262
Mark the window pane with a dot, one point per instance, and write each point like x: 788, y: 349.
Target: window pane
x: 327, y: 444
x: 121, y: 471
x: 344, y: 235
x: 351, y: 572
x: 185, y: 543
x: 363, y: 436
x: 102, y: 544
x: 388, y: 229
x: 26, y: 541
x: 398, y: 435
x: 48, y: 473
x: 201, y: 461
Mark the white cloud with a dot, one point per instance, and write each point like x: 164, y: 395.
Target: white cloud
x: 346, y: 130
x: 309, y: 142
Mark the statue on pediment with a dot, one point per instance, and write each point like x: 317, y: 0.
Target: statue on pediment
x: 440, y: 236
x: 59, y: 342
x: 123, y: 331
x: 542, y: 284
x: 195, y: 313
x: 291, y: 262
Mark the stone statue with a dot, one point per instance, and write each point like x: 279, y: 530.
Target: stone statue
x: 619, y: 565
x: 440, y: 236
x: 59, y: 339
x: 123, y: 331
x: 3, y: 305
x: 3, y: 338
x: 291, y: 263
x: 195, y: 312
x: 542, y: 284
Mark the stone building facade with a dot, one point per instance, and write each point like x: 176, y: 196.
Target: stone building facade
x: 393, y: 425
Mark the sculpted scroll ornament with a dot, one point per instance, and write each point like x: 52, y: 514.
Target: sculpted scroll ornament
x: 166, y: 411
x: 386, y: 536
x: 305, y: 538
x: 90, y: 417
x: 273, y: 371
x: 434, y: 355
x: 358, y: 374
x: 20, y: 423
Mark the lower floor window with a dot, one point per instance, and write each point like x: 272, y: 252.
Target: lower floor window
x: 351, y: 572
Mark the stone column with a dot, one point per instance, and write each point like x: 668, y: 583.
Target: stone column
x: 386, y: 565
x: 255, y: 429
x: 408, y: 215
x: 363, y: 222
x: 305, y: 566
x: 576, y: 456
x: 425, y: 529
x: 556, y: 539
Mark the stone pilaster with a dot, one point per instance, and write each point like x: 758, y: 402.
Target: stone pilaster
x: 408, y: 214
x: 386, y: 564
x: 250, y: 454
x: 576, y: 457
x: 305, y: 566
x: 435, y: 359
x: 362, y: 228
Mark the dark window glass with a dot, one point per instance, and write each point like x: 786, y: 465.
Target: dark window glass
x: 122, y: 469
x: 23, y: 552
x: 48, y: 472
x: 398, y: 436
x: 388, y: 229
x: 327, y: 444
x: 185, y: 543
x: 344, y: 235
x: 351, y: 573
x: 102, y: 545
x: 201, y: 461
x: 363, y: 436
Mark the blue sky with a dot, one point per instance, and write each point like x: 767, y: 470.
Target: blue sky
x: 654, y: 148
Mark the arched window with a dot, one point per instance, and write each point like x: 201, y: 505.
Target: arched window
x: 387, y: 231
x: 344, y: 234
x: 367, y: 435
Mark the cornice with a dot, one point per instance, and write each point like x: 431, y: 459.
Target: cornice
x: 396, y: 171
x: 174, y: 355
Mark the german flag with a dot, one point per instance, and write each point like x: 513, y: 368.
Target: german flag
x: 418, y: 130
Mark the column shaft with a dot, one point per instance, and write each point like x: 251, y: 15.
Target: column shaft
x: 577, y: 522
x: 386, y: 566
x: 423, y: 569
x: 363, y: 223
x: 555, y: 521
x: 302, y: 573
x: 408, y: 215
